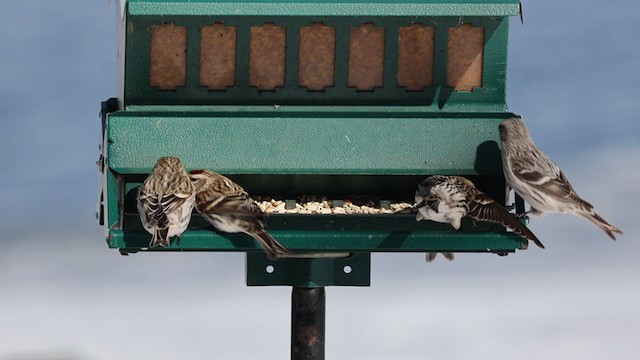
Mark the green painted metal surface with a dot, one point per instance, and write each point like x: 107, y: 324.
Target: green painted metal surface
x: 352, y: 233
x: 349, y: 271
x: 327, y: 7
x: 329, y: 143
x: 490, y: 97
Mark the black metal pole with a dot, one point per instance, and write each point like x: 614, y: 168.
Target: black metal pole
x: 307, y: 323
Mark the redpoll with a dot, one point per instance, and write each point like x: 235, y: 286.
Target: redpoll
x: 229, y: 208
x: 538, y: 180
x: 165, y: 201
x: 447, y: 199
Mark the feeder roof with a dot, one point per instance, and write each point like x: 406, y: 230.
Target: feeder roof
x: 326, y: 7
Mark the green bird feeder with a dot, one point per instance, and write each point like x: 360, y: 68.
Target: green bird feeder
x: 332, y: 98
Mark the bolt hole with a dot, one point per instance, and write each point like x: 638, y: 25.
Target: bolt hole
x: 270, y: 269
x: 347, y: 269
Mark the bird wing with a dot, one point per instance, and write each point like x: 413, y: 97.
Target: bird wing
x: 534, y: 169
x: 549, y: 180
x: 561, y: 187
x: 484, y: 208
x: 171, y: 202
x: 238, y: 205
x: 158, y: 206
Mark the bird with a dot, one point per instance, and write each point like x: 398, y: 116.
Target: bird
x: 447, y: 199
x: 166, y: 200
x: 228, y: 207
x: 538, y: 180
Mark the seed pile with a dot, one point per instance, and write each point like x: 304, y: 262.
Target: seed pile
x: 323, y: 206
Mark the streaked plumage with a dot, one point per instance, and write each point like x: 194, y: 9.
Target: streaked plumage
x: 165, y: 201
x: 229, y: 208
x: 538, y: 180
x: 447, y: 199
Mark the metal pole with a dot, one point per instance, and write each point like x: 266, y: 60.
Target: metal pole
x: 307, y: 323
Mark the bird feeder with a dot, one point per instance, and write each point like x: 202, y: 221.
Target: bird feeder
x: 338, y: 99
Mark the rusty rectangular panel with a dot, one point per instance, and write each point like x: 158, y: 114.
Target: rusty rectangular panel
x: 267, y: 56
x: 465, y: 57
x: 415, y: 56
x: 317, y: 56
x: 218, y: 56
x: 168, y: 68
x: 366, y: 57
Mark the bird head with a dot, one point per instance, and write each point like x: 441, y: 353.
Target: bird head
x: 423, y: 194
x: 513, y: 129
x: 201, y: 178
x: 167, y: 164
x: 467, y: 183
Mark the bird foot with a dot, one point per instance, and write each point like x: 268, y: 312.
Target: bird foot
x: 523, y: 217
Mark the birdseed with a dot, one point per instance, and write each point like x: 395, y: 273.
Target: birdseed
x: 324, y: 206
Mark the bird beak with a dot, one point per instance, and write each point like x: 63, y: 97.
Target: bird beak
x: 420, y: 204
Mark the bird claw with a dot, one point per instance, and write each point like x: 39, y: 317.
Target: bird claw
x: 523, y: 217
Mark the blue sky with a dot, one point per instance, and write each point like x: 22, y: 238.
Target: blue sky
x: 573, y: 71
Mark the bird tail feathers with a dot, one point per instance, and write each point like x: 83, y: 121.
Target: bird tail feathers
x: 432, y: 255
x: 160, y: 238
x: 272, y: 248
x: 601, y: 223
